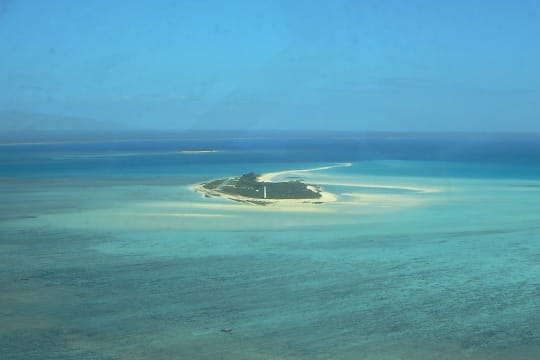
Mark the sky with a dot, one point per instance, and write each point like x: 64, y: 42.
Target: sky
x: 381, y: 65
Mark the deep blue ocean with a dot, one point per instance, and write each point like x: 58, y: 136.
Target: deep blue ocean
x: 519, y: 152
x: 431, y: 249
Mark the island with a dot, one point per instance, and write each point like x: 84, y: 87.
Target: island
x: 197, y: 151
x: 249, y: 188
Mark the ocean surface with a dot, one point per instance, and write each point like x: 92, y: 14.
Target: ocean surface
x: 431, y: 251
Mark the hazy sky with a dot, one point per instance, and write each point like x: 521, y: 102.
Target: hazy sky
x: 363, y: 65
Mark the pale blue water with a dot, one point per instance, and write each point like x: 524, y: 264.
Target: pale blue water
x: 432, y: 250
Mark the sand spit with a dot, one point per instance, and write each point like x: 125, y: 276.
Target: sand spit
x: 209, y: 151
x: 417, y: 189
x: 132, y: 154
x: 269, y: 177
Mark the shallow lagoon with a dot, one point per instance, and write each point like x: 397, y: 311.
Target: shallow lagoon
x: 113, y: 257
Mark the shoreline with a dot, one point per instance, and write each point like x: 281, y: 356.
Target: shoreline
x: 325, y: 196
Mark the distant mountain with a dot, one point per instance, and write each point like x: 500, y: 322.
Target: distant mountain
x: 22, y: 126
x: 14, y: 121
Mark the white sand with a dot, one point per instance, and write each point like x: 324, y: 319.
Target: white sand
x: 269, y: 177
x: 395, y: 187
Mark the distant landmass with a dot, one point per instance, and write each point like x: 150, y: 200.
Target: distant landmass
x: 20, y: 126
x: 29, y: 126
x: 19, y: 121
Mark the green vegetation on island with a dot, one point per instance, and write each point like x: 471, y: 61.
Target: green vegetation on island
x: 249, y: 186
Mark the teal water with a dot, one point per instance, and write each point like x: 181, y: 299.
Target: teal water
x: 106, y: 253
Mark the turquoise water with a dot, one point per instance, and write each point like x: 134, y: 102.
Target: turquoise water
x: 106, y: 253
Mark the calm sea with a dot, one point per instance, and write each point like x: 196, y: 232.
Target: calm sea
x: 431, y: 251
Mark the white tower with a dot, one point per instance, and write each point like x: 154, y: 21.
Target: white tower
x: 265, y: 191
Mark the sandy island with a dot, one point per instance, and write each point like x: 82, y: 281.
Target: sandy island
x: 197, y: 151
x: 347, y: 200
x: 321, y: 198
